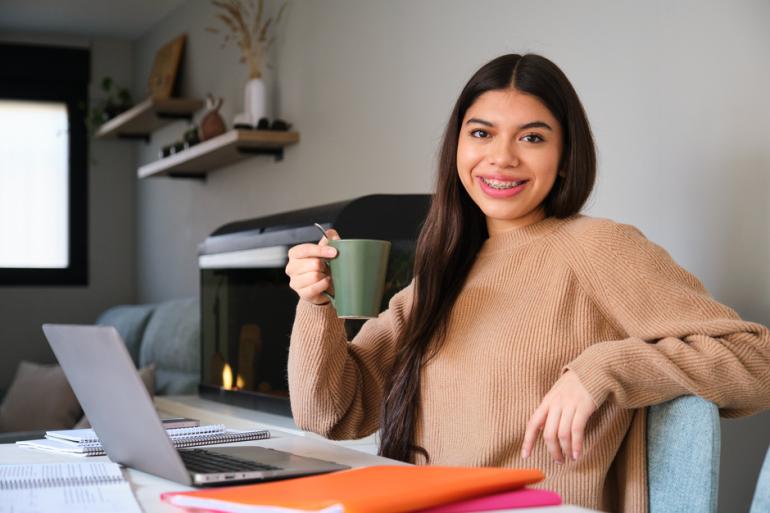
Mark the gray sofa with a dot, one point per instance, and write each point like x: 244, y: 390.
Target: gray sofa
x: 164, y: 336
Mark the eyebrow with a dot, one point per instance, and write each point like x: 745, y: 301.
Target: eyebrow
x: 525, y: 126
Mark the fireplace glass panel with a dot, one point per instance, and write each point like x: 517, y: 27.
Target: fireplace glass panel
x: 247, y: 316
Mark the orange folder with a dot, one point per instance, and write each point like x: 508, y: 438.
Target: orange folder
x: 379, y: 489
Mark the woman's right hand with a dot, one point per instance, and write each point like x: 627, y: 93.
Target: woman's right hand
x: 307, y: 270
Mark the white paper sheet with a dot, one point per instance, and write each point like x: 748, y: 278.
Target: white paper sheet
x: 64, y: 488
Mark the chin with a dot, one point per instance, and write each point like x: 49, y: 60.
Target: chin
x: 504, y: 214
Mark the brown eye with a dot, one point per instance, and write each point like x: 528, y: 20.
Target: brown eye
x: 532, y: 138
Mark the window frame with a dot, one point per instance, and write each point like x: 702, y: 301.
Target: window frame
x: 55, y: 74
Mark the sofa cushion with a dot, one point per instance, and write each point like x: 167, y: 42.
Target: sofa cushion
x: 172, y: 342
x: 130, y: 321
x: 147, y: 375
x: 39, y: 398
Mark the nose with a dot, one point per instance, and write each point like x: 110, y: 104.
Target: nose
x: 503, y: 154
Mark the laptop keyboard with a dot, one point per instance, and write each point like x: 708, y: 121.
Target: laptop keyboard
x: 207, y: 462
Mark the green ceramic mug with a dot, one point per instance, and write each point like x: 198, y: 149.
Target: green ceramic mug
x: 358, y: 276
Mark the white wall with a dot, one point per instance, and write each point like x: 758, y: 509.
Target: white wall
x: 111, y: 231
x: 676, y: 93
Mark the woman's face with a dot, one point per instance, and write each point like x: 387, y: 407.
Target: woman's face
x: 508, y: 155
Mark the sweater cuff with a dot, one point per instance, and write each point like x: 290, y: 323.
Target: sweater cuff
x: 317, y: 322
x: 596, y: 368
x: 317, y: 313
x: 308, y: 308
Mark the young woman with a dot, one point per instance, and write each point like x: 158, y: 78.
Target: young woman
x: 531, y: 335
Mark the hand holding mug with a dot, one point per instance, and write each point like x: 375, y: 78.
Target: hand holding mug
x: 308, y: 270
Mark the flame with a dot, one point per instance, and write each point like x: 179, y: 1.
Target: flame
x: 239, y: 383
x: 227, y: 377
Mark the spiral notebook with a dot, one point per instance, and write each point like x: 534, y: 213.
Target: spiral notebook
x: 64, y: 488
x: 84, y: 442
x: 89, y: 435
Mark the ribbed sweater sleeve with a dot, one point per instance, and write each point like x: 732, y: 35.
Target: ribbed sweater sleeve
x: 336, y: 387
x: 679, y: 340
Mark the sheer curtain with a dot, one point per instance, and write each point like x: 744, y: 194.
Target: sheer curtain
x: 34, y: 182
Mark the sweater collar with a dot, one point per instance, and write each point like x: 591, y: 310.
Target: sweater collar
x: 520, y: 236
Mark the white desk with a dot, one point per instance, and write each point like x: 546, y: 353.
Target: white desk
x: 147, y: 488
x: 211, y: 412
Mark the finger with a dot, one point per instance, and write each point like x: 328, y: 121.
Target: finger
x: 306, y: 265
x: 310, y: 265
x: 578, y: 432
x: 311, y: 251
x: 565, y: 432
x: 303, y: 281
x: 298, y: 251
x: 534, y: 425
x: 551, y: 434
x: 312, y: 292
x: 303, y: 265
x: 331, y: 234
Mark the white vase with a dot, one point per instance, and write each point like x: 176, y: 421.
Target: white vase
x: 254, y: 101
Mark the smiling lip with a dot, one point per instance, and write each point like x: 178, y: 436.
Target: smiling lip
x: 501, y: 193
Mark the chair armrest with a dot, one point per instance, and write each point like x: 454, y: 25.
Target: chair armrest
x: 683, y: 443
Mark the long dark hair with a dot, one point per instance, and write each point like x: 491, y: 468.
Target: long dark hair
x: 455, y: 229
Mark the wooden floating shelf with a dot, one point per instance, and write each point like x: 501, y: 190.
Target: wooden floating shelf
x: 221, y: 151
x: 142, y: 119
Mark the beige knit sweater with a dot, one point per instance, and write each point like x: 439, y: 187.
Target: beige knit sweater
x: 585, y: 294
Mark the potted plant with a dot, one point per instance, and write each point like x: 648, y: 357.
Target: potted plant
x: 116, y: 100
x: 247, y: 26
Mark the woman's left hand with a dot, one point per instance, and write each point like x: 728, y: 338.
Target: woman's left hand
x: 562, y: 416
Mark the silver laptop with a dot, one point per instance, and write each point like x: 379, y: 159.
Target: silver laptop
x: 105, y: 381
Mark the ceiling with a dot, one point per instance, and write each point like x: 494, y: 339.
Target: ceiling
x: 125, y: 19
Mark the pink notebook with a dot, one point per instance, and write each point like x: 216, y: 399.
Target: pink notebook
x: 522, y: 498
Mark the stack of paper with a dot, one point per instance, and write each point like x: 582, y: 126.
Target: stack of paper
x: 84, y: 442
x: 64, y: 488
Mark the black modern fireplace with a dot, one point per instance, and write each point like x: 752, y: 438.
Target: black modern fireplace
x: 247, y: 307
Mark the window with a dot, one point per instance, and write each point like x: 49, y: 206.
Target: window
x: 43, y: 175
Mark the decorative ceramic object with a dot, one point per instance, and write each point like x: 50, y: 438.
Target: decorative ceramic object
x: 191, y: 137
x: 165, y: 68
x: 241, y: 122
x: 280, y: 125
x: 254, y: 100
x: 212, y: 123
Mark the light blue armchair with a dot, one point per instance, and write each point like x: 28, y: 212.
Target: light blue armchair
x: 683, y: 442
x: 761, y: 501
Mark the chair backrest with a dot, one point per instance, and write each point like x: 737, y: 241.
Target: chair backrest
x: 761, y: 502
x: 683, y: 442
